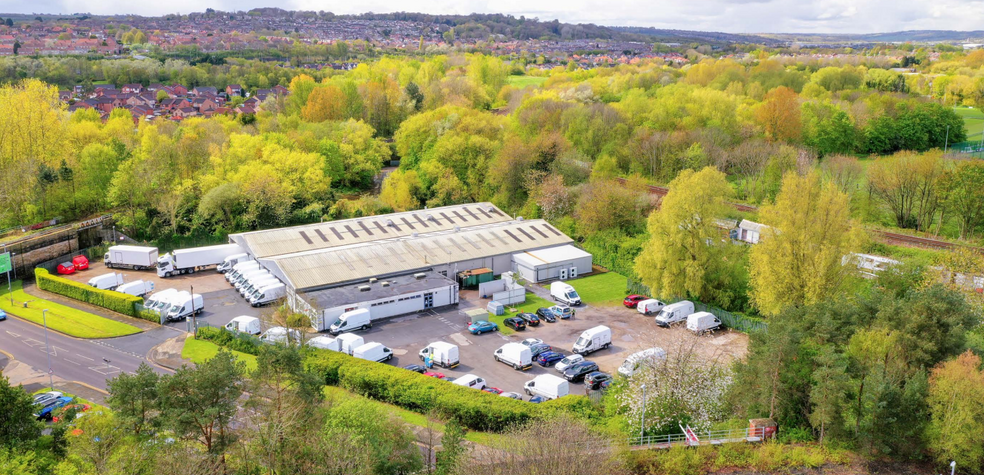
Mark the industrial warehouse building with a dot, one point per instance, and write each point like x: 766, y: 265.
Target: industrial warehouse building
x: 404, y: 262
x: 561, y: 262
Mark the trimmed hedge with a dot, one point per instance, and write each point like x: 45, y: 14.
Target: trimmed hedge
x: 240, y: 342
x: 115, y: 301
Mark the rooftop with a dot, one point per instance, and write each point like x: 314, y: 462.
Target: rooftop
x: 351, y: 294
x: 551, y: 255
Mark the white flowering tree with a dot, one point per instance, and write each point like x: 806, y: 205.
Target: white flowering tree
x: 684, y: 389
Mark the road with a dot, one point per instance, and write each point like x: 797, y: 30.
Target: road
x: 87, y: 361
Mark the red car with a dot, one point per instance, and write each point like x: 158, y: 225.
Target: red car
x: 79, y: 409
x: 81, y: 262
x: 434, y: 374
x: 66, y: 268
x: 490, y: 389
x: 633, y: 300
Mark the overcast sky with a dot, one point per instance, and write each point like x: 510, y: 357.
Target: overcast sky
x: 735, y: 16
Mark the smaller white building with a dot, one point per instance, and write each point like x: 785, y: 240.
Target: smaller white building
x: 750, y: 231
x: 383, y: 298
x: 560, y: 262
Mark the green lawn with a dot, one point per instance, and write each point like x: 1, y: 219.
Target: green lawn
x: 532, y: 303
x: 973, y: 121
x: 600, y: 289
x: 199, y: 351
x: 523, y: 81
x: 67, y: 320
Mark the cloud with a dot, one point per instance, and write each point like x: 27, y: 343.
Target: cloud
x: 738, y: 16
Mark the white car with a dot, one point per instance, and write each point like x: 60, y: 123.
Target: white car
x: 470, y: 381
x: 532, y: 341
x: 567, y: 361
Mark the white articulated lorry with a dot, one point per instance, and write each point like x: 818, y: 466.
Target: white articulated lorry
x: 186, y: 261
x: 130, y: 257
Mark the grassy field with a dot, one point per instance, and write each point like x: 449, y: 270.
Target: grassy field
x: 200, y: 351
x: 60, y: 318
x: 973, y: 121
x: 523, y: 81
x: 601, y: 289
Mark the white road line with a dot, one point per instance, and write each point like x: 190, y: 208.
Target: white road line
x: 86, y: 357
x: 12, y: 334
x: 70, y: 361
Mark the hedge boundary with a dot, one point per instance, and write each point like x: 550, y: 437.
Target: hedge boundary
x: 241, y: 342
x: 108, y: 299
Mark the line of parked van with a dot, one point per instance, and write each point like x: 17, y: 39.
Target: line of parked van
x: 256, y: 284
x: 175, y: 305
x: 666, y: 315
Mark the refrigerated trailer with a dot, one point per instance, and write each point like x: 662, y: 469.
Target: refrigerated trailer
x: 130, y: 257
x: 187, y: 261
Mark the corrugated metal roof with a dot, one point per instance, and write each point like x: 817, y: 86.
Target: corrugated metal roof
x: 319, y: 269
x: 281, y: 241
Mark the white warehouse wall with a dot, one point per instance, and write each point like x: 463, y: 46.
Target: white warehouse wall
x: 392, y: 306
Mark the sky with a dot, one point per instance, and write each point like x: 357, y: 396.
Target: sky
x: 733, y: 16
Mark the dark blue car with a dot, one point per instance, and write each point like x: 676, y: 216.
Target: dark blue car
x: 549, y: 358
x: 537, y: 399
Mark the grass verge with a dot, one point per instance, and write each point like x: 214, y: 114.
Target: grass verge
x: 63, y: 319
x: 199, y: 351
x: 606, y: 289
x: 523, y: 81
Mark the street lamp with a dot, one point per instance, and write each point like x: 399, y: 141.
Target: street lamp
x: 44, y: 319
x: 642, y: 423
x: 953, y: 467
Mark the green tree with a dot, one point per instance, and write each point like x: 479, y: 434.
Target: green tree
x: 828, y: 395
x: 452, y: 455
x: 17, y: 422
x: 134, y: 397
x: 956, y: 399
x: 391, y: 444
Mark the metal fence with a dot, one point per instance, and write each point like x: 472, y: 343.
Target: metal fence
x: 715, y: 437
x: 735, y: 321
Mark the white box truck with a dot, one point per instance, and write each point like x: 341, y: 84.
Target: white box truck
x: 650, y: 356
x: 159, y: 298
x: 130, y: 257
x: 107, y: 281
x: 650, y: 306
x: 244, y: 324
x: 229, y: 262
x: 373, y: 351
x: 280, y: 335
x: 186, y: 306
x: 325, y: 343
x: 674, y: 312
x: 701, y: 322
x: 350, y: 321
x: 442, y: 353
x: 593, y: 339
x: 186, y: 261
x: 269, y: 294
x: 547, y: 386
x: 516, y: 355
x: 564, y: 293
x: 137, y: 288
x: 239, y: 269
x: 348, y: 342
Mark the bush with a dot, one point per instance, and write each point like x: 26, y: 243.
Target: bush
x: 240, y: 342
x: 115, y: 301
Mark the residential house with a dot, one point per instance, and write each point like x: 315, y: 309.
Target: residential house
x: 198, y: 91
x: 234, y: 90
x: 132, y: 88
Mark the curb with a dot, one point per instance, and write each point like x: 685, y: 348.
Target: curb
x: 72, y: 336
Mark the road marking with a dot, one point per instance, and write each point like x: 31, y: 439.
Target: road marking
x: 31, y: 342
x: 70, y: 361
x: 54, y: 350
x: 86, y: 357
x: 105, y: 369
x: 12, y: 334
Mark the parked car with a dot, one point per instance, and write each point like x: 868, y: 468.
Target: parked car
x: 538, y: 399
x: 44, y: 412
x: 434, y: 374
x: 490, y: 389
x: 81, y: 262
x: 516, y: 396
x: 531, y: 341
x: 65, y: 268
x: 481, y: 326
x: 567, y: 361
x: 515, y: 323
x: 577, y: 371
x: 44, y: 398
x: 530, y: 319
x: 562, y: 312
x: 548, y: 358
x: 596, y: 379
x: 632, y: 300
x: 539, y: 349
x: 3, y: 315
x: 416, y: 368
x: 546, y: 314
x: 470, y: 381
x: 78, y: 408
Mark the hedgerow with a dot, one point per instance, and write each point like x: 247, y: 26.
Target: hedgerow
x: 115, y: 301
x: 241, y: 342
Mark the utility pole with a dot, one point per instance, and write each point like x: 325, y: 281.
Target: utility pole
x: 642, y: 423
x: 194, y: 314
x: 44, y: 318
x: 947, y: 141
x: 10, y: 293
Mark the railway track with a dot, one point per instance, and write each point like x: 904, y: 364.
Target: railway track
x: 661, y: 191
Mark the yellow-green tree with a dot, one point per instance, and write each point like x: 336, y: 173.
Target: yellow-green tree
x: 400, y: 190
x: 799, y: 258
x: 956, y: 402
x: 324, y: 103
x: 685, y: 256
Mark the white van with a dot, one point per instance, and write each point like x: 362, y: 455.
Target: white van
x: 373, y: 351
x: 325, y: 343
x: 650, y: 306
x: 279, y: 335
x: 159, y: 298
x: 701, y: 322
x: 257, y: 283
x: 547, y: 386
x: 240, y: 268
x: 470, y: 381
x: 107, y: 281
x: 246, y: 275
x: 137, y: 288
x: 351, y: 321
x: 250, y: 277
x: 268, y: 294
x: 651, y: 356
x: 516, y: 355
x: 563, y: 292
x: 188, y: 305
x: 674, y: 312
x: 231, y: 261
x: 442, y: 353
x: 244, y: 324
x: 593, y: 339
x: 348, y: 342
x: 165, y: 304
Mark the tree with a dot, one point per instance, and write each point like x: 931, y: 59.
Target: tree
x: 162, y: 95
x: 966, y: 198
x: 391, y: 445
x: 134, y: 397
x: 324, y: 103
x: 412, y: 90
x: 843, y: 171
x: 956, y: 399
x: 685, y: 256
x: 607, y: 204
x: 798, y: 260
x: 17, y: 422
x: 779, y: 115
x: 911, y: 185
x: 401, y: 189
x: 827, y: 397
x: 451, y: 457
